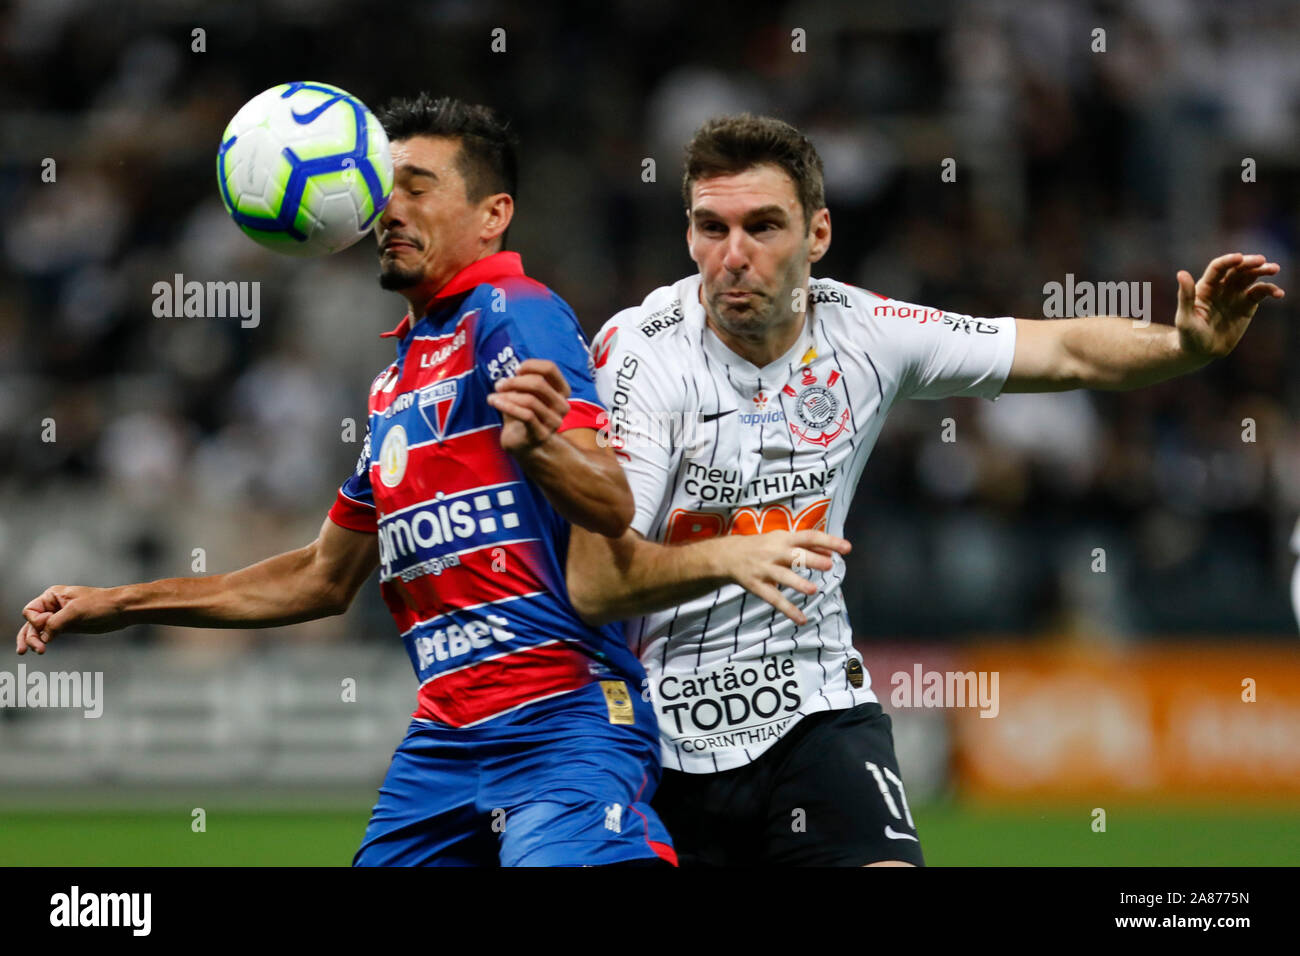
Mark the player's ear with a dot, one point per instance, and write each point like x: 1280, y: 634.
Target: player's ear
x: 498, y: 210
x: 819, y: 234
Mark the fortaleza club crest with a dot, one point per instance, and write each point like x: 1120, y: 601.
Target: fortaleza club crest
x: 437, y: 399
x: 824, y: 414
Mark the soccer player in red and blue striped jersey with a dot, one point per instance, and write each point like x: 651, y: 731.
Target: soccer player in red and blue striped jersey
x: 531, y: 743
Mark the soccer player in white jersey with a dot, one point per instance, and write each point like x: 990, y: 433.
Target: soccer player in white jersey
x: 744, y: 402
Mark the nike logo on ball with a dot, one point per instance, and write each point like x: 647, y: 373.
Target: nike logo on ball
x: 895, y: 835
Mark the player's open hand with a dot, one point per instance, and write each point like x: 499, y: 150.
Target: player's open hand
x: 532, y: 403
x: 67, y: 609
x: 764, y: 563
x: 1214, y: 312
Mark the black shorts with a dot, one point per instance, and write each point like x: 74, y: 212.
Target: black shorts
x: 828, y: 793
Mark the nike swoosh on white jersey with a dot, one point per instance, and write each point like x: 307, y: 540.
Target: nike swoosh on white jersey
x: 895, y: 835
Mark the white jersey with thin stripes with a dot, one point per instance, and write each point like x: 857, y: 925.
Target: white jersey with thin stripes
x: 714, y: 445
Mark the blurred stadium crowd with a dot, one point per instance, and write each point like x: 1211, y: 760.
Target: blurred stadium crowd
x: 175, y: 434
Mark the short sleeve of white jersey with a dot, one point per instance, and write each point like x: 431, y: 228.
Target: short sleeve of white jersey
x: 643, y: 403
x: 947, y: 353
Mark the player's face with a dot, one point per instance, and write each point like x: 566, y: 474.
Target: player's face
x: 429, y: 230
x: 746, y: 232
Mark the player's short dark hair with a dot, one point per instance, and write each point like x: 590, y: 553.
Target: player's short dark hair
x: 486, y: 159
x: 732, y: 144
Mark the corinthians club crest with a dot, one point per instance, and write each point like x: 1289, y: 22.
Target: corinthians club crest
x: 823, y: 413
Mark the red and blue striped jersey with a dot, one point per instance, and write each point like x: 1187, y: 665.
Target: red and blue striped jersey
x: 472, y: 555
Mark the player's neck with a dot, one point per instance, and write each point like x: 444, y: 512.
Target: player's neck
x: 761, y: 350
x: 419, y: 304
x: 421, y: 297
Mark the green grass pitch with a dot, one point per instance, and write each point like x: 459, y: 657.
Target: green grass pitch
x: 951, y: 835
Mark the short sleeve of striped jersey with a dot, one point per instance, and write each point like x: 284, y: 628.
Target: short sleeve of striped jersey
x: 542, y: 329
x: 645, y: 403
x: 354, y: 506
x: 945, y: 353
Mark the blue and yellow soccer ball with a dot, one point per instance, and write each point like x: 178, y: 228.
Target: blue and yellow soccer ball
x: 305, y: 169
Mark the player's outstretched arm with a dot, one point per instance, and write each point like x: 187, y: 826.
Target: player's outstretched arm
x: 611, y: 579
x: 315, y: 581
x: 580, y: 478
x: 1107, y: 352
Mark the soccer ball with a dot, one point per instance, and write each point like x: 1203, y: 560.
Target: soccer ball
x: 304, y: 169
